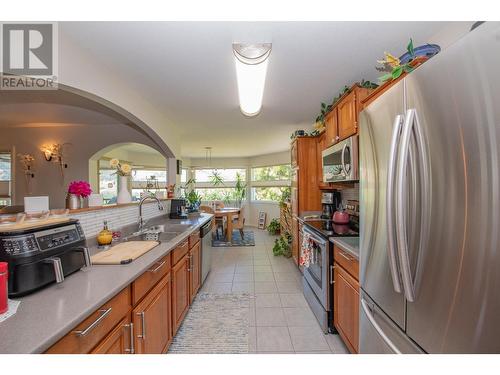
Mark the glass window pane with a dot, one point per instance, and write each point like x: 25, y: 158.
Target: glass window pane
x: 5, y: 166
x: 216, y: 194
x: 268, y: 193
x: 271, y: 173
x: 227, y: 175
x: 159, y: 175
x: 108, y: 185
x: 184, y: 175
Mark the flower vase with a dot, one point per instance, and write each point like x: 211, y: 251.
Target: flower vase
x: 124, y: 195
x: 73, y: 201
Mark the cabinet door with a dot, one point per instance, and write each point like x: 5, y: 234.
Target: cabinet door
x: 346, y: 307
x: 152, y: 320
x: 347, y: 116
x: 331, y: 133
x: 180, y: 292
x: 195, y: 270
x: 119, y: 341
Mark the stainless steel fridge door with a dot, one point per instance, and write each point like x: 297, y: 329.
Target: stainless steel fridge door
x: 456, y: 279
x: 377, y: 127
x: 379, y: 334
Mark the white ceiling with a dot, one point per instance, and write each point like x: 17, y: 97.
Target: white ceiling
x: 186, y: 69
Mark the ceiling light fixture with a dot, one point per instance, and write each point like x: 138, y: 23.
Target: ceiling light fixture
x: 251, y: 67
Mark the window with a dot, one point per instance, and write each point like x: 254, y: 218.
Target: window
x: 270, y: 183
x: 149, y: 180
x: 219, y: 184
x: 108, y: 185
x: 184, y: 174
x: 5, y: 178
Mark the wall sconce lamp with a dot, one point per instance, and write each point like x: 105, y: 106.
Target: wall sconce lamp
x: 54, y: 153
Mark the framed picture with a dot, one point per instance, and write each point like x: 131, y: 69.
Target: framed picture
x: 262, y: 220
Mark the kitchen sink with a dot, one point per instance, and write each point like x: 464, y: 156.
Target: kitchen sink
x: 153, y: 236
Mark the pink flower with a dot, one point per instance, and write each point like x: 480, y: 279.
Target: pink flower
x: 80, y: 188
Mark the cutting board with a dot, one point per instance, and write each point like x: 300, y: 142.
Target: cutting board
x: 124, y: 252
x: 33, y: 224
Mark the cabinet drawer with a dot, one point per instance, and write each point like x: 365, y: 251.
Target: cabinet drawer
x: 144, y: 283
x: 347, y: 261
x: 193, y: 238
x: 181, y: 250
x: 85, y: 336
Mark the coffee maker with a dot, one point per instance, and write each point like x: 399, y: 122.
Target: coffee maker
x: 330, y: 201
x: 178, y: 209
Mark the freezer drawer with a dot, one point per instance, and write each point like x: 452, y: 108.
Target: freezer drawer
x: 378, y: 334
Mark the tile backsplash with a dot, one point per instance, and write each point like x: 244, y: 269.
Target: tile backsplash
x: 92, y: 221
x: 350, y: 194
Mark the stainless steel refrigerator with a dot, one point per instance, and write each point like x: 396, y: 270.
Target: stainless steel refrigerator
x: 430, y: 205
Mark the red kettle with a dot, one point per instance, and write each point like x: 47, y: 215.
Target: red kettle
x: 340, y: 216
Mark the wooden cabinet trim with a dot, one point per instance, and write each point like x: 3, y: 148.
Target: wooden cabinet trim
x: 347, y: 261
x: 180, y: 292
x: 144, y: 283
x: 179, y: 252
x: 119, y: 341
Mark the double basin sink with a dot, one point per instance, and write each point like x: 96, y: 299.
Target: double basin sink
x: 162, y: 233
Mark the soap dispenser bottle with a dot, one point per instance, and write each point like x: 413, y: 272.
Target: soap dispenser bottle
x: 105, y: 236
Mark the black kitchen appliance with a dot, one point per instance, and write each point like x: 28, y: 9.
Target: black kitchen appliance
x: 178, y: 209
x: 330, y: 200
x: 41, y: 256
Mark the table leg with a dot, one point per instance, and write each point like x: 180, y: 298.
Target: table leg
x: 229, y: 227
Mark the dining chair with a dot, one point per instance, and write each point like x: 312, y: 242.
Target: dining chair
x: 239, y: 223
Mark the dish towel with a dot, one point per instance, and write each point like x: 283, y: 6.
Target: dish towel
x: 306, y: 251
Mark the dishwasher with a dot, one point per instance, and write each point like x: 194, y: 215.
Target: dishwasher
x: 206, y: 249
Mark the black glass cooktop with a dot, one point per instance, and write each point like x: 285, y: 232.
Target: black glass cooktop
x: 328, y: 228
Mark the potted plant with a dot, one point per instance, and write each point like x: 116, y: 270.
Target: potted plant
x: 239, y: 190
x: 77, y: 190
x: 273, y: 227
x: 122, y: 170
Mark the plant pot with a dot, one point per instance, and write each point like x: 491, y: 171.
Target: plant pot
x: 73, y: 201
x: 124, y: 195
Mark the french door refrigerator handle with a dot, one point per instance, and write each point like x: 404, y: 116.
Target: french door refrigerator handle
x: 371, y: 318
x: 401, y: 193
x: 393, y: 260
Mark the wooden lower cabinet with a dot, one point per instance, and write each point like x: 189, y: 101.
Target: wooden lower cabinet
x: 295, y: 240
x: 181, y: 295
x: 346, y: 307
x: 119, y: 341
x: 195, y: 270
x: 152, y: 320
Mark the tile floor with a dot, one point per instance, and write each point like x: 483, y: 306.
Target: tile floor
x: 280, y: 320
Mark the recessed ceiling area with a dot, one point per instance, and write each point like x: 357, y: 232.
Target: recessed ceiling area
x: 186, y: 69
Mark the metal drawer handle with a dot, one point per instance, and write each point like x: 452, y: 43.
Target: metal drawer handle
x: 132, y: 338
x: 190, y: 257
x: 331, y: 275
x: 96, y: 322
x: 143, y: 323
x: 158, y: 267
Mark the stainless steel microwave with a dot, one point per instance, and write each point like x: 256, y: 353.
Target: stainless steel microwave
x: 340, y: 161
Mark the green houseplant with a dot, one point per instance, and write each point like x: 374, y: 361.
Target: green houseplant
x: 273, y: 227
x: 282, y: 246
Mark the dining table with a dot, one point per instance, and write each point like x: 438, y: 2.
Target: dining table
x: 227, y: 212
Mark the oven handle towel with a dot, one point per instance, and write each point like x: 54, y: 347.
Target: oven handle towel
x: 306, y: 253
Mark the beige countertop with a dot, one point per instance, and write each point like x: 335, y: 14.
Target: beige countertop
x: 47, y: 315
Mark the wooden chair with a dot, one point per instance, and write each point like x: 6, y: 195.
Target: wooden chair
x: 239, y: 223
x: 219, y: 205
x: 206, y: 209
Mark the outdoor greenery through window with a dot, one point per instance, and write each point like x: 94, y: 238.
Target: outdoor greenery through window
x: 270, y: 183
x: 225, y: 184
x: 5, y: 178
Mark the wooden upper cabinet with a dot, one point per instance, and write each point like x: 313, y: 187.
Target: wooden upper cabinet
x: 346, y: 310
x: 152, y: 320
x: 331, y: 131
x: 347, y: 116
x: 119, y: 341
x: 180, y: 292
x: 195, y: 270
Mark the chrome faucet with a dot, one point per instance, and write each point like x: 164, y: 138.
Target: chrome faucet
x: 141, y: 220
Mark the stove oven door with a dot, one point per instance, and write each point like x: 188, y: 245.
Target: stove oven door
x: 316, y: 274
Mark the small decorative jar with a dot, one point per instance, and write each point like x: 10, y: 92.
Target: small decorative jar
x: 73, y: 201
